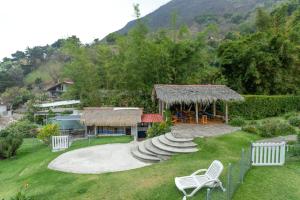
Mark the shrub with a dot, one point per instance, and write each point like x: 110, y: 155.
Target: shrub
x: 271, y: 128
x: 289, y: 115
x: 9, y: 144
x: 295, y: 121
x: 23, y: 127
x: 47, y: 131
x: 262, y: 106
x: 158, y: 129
x: 238, y: 121
x: 250, y: 129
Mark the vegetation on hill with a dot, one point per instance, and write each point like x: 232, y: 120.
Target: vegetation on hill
x: 122, y: 71
x: 198, y: 14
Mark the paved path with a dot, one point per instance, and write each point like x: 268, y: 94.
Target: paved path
x: 97, y: 159
x: 287, y: 138
x: 198, y: 130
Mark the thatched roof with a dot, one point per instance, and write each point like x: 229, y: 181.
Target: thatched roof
x: 109, y: 116
x: 195, y: 93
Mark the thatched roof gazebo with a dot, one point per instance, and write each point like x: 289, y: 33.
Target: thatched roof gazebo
x: 197, y: 94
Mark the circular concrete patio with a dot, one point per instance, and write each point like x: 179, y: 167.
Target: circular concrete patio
x: 97, y: 159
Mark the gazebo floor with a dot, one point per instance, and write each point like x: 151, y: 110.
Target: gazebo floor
x: 193, y: 121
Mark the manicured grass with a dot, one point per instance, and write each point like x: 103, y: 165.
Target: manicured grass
x: 271, y: 183
x: 151, y: 182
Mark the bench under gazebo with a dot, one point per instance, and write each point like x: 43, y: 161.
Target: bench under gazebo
x: 191, y: 102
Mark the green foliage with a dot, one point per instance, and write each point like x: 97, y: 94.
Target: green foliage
x: 295, y: 121
x: 267, y: 61
x: 24, y: 127
x: 290, y: 114
x: 158, y: 129
x: 271, y: 128
x: 47, y: 131
x: 21, y: 196
x: 9, y: 143
x: 262, y: 106
x: 16, y: 96
x: 250, y: 129
x: 237, y: 121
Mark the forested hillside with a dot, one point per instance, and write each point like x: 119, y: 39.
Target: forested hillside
x: 197, y: 14
x: 122, y: 71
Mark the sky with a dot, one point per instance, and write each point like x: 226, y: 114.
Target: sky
x: 29, y: 23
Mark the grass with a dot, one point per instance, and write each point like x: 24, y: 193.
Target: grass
x: 271, y: 183
x: 151, y: 182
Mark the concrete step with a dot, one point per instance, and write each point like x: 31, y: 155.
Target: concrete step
x: 155, y: 141
x: 172, y: 138
x: 150, y: 147
x: 143, y: 157
x: 164, y: 140
x: 142, y: 149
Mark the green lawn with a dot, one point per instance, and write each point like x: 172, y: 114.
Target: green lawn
x: 151, y: 182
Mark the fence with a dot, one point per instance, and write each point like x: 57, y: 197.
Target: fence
x: 268, y: 154
x: 60, y: 142
x: 235, y: 176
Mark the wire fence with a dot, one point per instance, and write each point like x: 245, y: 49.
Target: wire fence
x: 293, y: 152
x: 234, y: 177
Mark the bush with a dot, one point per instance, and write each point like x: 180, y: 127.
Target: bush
x: 250, y: 129
x: 47, y: 131
x: 23, y: 127
x: 295, y: 121
x: 9, y: 144
x: 290, y: 114
x: 271, y: 128
x: 158, y: 129
x: 238, y: 121
x: 262, y: 106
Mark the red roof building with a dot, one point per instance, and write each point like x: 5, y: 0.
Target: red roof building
x: 152, y: 118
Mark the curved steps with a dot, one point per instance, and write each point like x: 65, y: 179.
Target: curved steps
x: 156, y: 142
x: 164, y: 140
x: 172, y: 138
x: 150, y: 147
x: 142, y: 149
x: 143, y: 157
x: 160, y: 148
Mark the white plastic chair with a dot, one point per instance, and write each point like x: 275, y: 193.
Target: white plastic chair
x: 209, y: 179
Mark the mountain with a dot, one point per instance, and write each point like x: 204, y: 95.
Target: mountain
x: 197, y: 14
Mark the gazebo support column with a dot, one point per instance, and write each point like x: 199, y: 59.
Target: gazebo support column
x: 197, y: 120
x: 226, y: 113
x: 214, y: 109
x: 85, y: 131
x: 159, y: 107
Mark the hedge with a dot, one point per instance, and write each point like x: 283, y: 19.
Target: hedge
x: 262, y: 106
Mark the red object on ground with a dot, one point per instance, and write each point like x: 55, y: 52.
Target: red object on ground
x: 150, y: 118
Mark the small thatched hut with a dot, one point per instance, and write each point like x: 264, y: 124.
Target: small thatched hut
x: 110, y: 120
x: 168, y: 95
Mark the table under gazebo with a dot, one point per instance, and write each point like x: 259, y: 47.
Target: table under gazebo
x: 192, y: 103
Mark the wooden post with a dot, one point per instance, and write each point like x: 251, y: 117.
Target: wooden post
x: 134, y: 132
x: 162, y: 109
x: 197, y: 120
x: 214, y: 109
x: 95, y: 130
x: 226, y: 112
x: 85, y: 130
x: 159, y: 106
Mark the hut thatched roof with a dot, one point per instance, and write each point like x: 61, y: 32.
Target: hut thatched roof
x: 195, y: 93
x: 109, y: 116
